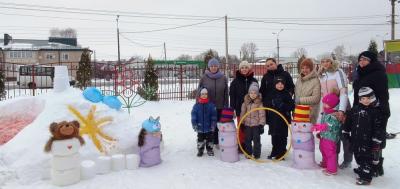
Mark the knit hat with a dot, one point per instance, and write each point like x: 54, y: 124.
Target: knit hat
x: 279, y: 80
x: 254, y: 87
x: 367, y: 92
x: 301, y: 113
x: 308, y: 63
x: 226, y: 115
x: 203, y: 90
x: 213, y: 62
x: 331, y: 99
x: 368, y: 54
x: 244, y: 64
x: 152, y: 125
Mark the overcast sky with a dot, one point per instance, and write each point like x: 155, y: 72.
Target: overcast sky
x: 99, y: 31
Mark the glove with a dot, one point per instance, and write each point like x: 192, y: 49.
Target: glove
x: 261, y: 129
x: 375, y: 153
x: 319, y: 127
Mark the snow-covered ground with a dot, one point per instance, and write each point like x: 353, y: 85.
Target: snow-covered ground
x: 180, y: 167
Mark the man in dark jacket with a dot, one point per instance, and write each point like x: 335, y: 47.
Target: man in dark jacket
x: 372, y: 74
x: 267, y: 82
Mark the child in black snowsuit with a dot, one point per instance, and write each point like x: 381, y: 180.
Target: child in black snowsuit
x: 280, y: 100
x: 363, y: 127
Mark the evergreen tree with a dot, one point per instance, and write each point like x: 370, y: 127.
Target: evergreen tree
x: 2, y: 86
x: 150, y: 83
x: 84, y: 73
x: 373, y: 47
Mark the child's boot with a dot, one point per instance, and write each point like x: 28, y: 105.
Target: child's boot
x: 200, y: 148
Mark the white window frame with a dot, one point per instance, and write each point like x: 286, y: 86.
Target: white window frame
x: 65, y: 56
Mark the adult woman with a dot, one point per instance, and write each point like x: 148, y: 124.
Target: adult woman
x: 372, y: 74
x: 308, y: 88
x: 333, y: 79
x: 217, y: 85
x: 238, y: 89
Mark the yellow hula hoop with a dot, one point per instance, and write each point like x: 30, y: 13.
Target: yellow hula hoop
x: 284, y: 119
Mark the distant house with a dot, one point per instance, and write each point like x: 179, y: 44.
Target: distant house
x: 53, y: 51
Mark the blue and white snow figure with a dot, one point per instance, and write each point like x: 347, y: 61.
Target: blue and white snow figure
x: 227, y: 137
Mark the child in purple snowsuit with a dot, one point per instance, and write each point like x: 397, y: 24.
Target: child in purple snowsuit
x: 149, y: 142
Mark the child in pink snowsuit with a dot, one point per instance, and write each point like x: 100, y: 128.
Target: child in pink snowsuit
x: 329, y: 131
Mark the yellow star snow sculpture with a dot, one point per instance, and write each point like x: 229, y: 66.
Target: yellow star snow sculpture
x: 92, y: 127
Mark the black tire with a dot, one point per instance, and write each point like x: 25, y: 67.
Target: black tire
x: 32, y: 85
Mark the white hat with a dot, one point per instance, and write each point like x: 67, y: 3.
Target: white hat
x: 244, y: 64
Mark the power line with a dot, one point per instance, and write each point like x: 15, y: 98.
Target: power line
x: 143, y: 45
x: 310, y: 24
x: 177, y: 27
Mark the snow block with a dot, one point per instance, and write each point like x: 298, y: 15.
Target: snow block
x: 61, y: 79
x: 118, y: 162
x: 60, y: 163
x: 66, y: 177
x: 132, y: 161
x: 88, y: 169
x: 229, y: 154
x: 112, y: 102
x: 304, y: 160
x: 93, y: 94
x: 103, y: 164
x: 227, y: 139
x: 65, y: 147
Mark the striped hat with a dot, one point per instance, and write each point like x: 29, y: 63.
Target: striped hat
x: 367, y: 92
x: 301, y: 113
x: 226, y: 115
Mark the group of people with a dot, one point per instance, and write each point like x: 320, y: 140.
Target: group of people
x: 360, y: 127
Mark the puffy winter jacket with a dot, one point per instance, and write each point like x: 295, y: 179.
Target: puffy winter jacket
x: 255, y: 118
x: 282, y: 102
x: 364, y: 124
x: 204, y: 117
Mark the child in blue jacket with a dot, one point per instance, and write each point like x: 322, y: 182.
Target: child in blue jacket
x: 204, y: 122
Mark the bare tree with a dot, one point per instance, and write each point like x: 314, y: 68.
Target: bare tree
x: 325, y: 54
x: 67, y: 32
x: 249, y: 51
x: 184, y: 57
x: 300, y: 52
x: 340, y: 52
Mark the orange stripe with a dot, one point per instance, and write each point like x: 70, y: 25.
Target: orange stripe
x: 301, y: 115
x: 301, y: 120
x: 301, y: 107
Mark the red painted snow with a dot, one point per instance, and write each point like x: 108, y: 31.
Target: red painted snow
x: 16, y: 116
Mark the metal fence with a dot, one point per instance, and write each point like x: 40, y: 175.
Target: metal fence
x: 175, y: 82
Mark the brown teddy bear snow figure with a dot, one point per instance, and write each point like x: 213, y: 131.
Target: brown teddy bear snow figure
x: 64, y: 146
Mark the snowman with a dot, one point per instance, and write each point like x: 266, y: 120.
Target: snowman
x: 64, y: 145
x: 303, y: 139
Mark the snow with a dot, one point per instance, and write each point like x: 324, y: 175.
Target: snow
x: 22, y: 158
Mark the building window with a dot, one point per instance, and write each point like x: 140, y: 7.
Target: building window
x: 50, y: 56
x: 65, y: 56
x: 20, y: 54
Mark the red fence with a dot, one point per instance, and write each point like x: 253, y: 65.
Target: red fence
x: 175, y: 82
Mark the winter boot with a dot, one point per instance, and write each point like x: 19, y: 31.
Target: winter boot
x: 200, y: 147
x: 209, y: 147
x: 390, y: 136
x: 345, y: 165
x: 210, y: 152
x: 379, y: 169
x: 362, y: 182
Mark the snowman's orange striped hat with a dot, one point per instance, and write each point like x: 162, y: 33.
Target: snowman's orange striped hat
x: 301, y: 113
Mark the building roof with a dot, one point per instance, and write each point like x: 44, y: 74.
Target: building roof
x: 36, y: 44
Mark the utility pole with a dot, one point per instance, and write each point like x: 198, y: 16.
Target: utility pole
x: 165, y: 53
x: 277, y: 42
x: 393, y: 22
x: 119, y: 54
x: 226, y: 38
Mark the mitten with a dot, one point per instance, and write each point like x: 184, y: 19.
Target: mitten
x: 319, y: 127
